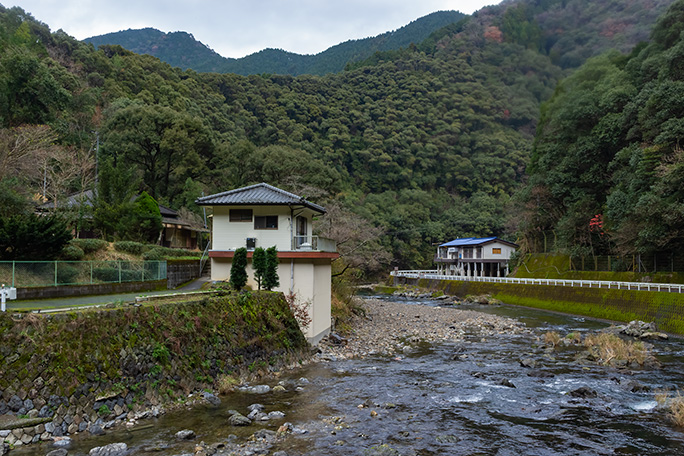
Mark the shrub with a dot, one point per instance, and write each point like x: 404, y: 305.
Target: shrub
x: 259, y: 265
x: 674, y: 406
x: 72, y: 252
x: 32, y: 237
x: 609, y: 349
x: 162, y: 253
x: 90, y: 245
x: 238, y: 273
x: 271, y: 279
x: 132, y: 247
x: 552, y: 338
x: 66, y: 273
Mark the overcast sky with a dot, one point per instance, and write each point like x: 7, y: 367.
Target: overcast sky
x: 237, y: 28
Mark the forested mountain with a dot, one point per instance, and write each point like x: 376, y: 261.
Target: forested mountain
x: 427, y: 143
x: 607, y: 171
x: 181, y: 50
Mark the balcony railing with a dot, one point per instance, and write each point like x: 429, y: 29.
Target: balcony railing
x: 314, y: 243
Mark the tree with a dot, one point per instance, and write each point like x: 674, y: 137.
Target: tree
x: 271, y: 279
x: 32, y: 237
x: 144, y: 222
x: 116, y: 188
x: 238, y: 269
x: 259, y: 264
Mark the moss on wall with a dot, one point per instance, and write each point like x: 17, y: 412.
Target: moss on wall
x: 144, y: 355
x: 666, y: 309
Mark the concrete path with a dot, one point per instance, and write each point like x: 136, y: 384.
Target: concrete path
x: 79, y: 301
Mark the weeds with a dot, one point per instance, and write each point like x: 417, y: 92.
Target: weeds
x: 227, y: 383
x: 610, y: 349
x: 552, y: 338
x: 674, y: 406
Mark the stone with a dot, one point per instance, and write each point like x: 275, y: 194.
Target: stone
x: 45, y: 412
x: 528, y: 363
x: 39, y: 429
x: 238, y: 419
x: 506, y: 382
x: 73, y: 428
x: 3, y: 407
x: 58, y: 452
x: 113, y: 449
x: 96, y: 429
x: 257, y: 407
x: 62, y: 442
x: 265, y: 434
x: 4, y: 449
x: 26, y: 439
x: 28, y: 404
x: 185, y: 434
x: 654, y: 336
x: 279, y: 389
x: 583, y: 392
x: 15, y: 403
x: 212, y: 399
x: 276, y: 415
x: 4, y: 433
x: 82, y: 426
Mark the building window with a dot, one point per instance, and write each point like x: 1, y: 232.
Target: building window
x: 266, y: 222
x: 240, y: 215
x: 496, y: 251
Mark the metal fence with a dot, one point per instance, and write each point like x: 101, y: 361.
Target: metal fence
x: 653, y: 262
x: 26, y: 274
x: 640, y: 286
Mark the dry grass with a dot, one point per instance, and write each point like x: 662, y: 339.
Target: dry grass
x: 227, y: 383
x: 610, y: 349
x: 674, y: 405
x: 574, y: 338
x: 552, y: 338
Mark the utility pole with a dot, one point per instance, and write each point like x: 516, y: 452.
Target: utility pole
x: 97, y: 156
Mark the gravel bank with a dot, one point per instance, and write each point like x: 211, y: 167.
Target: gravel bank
x: 389, y: 327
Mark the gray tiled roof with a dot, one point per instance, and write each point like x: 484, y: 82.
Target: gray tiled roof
x: 258, y: 195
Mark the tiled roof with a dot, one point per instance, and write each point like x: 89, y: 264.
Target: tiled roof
x: 474, y: 241
x: 258, y: 195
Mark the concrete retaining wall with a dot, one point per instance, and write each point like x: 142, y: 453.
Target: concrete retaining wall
x: 86, y: 290
x: 665, y: 309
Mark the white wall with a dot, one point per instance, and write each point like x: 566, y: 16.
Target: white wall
x: 506, y: 251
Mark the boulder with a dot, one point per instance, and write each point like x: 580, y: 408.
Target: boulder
x: 113, y: 449
x: 583, y: 392
x: 58, y: 452
x: 212, y: 399
x: 238, y: 419
x: 185, y: 434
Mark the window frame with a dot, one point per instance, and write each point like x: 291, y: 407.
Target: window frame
x: 266, y: 221
x: 240, y: 215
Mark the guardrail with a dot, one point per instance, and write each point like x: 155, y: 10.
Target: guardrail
x: 639, y: 286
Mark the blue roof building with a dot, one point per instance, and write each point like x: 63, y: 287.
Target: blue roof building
x: 475, y: 257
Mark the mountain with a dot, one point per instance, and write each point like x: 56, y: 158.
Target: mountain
x: 180, y: 49
x: 427, y: 142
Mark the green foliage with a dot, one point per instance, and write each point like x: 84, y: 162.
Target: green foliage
x: 161, y: 353
x: 32, y: 237
x: 90, y: 245
x: 132, y: 247
x: 608, y: 143
x: 72, y: 252
x: 163, y: 253
x: 12, y: 202
x: 271, y: 279
x: 259, y: 265
x: 238, y: 272
x: 144, y: 222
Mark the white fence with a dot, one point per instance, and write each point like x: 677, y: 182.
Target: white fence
x: 641, y: 286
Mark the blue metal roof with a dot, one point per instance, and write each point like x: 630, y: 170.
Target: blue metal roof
x: 474, y: 241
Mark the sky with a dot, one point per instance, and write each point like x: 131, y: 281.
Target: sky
x: 237, y: 28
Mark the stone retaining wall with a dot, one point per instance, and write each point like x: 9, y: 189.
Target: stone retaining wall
x: 663, y: 308
x: 86, y: 371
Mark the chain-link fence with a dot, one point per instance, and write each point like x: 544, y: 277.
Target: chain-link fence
x: 54, y: 273
x: 654, y: 262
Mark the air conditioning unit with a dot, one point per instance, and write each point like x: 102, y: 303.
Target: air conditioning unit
x: 251, y: 243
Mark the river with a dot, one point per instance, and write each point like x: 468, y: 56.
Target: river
x: 470, y: 398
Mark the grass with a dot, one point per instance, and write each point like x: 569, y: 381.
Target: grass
x: 674, y: 405
x: 552, y: 338
x: 226, y: 383
x: 610, y: 349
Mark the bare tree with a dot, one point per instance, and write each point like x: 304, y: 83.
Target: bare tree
x: 357, y: 239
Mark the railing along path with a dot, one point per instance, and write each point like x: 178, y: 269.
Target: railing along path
x: 640, y: 286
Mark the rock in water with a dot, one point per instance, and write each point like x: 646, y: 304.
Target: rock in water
x: 528, y: 363
x: 583, y: 392
x: 212, y: 399
x: 57, y: 452
x: 238, y: 419
x: 185, y: 434
x: 113, y: 449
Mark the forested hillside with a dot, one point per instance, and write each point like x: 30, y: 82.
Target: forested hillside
x: 180, y: 49
x: 607, y: 171
x: 426, y: 144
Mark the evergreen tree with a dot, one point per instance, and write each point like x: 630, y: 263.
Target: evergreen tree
x: 259, y: 264
x: 238, y: 269
x: 271, y: 279
x: 32, y: 237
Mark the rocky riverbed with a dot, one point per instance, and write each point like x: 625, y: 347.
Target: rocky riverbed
x: 388, y: 327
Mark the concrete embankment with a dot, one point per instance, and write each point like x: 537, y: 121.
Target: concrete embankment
x: 665, y: 309
x: 84, y: 371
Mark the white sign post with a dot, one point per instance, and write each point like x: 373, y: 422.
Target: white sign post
x: 5, y: 294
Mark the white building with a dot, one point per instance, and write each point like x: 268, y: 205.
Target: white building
x: 475, y: 257
x: 263, y: 216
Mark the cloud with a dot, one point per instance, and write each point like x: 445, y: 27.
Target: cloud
x: 237, y: 28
